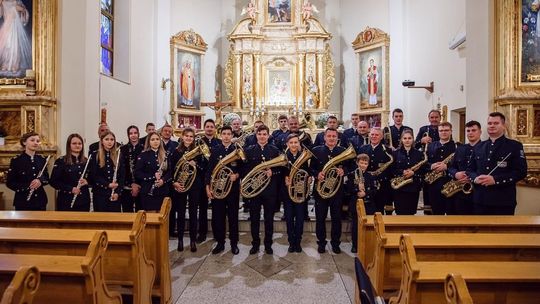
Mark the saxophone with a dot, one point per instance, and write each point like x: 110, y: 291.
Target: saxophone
x: 298, y: 189
x: 385, y: 165
x: 432, y: 176
x: 400, y: 181
x: 256, y: 180
x: 221, y: 183
x: 452, y: 187
x: 329, y: 186
x: 185, y: 172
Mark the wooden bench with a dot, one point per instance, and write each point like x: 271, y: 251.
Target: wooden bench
x: 125, y: 261
x: 65, y: 279
x: 438, y: 224
x: 156, y: 233
x: 456, y: 291
x: 23, y: 287
x: 488, y: 282
x: 385, y: 271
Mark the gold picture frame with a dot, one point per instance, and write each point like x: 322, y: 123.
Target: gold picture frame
x: 273, y: 9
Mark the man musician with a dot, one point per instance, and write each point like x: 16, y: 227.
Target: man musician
x: 331, y: 123
x: 395, y: 130
x: 429, y: 133
x: 353, y: 130
x: 294, y: 128
x: 283, y: 121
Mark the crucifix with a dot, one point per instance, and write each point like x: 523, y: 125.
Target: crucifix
x: 217, y: 106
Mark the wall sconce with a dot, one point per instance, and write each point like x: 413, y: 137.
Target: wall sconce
x: 164, y: 83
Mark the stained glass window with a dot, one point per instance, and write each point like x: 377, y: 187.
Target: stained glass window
x: 106, y: 39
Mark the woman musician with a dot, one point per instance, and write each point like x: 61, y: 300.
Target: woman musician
x: 24, y: 176
x: 130, y: 197
x: 153, y: 173
x: 103, y: 166
x: 407, y: 158
x: 67, y: 177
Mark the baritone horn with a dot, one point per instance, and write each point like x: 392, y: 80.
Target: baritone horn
x: 329, y: 186
x: 220, y: 183
x: 256, y: 180
x: 185, y: 172
x: 299, y: 187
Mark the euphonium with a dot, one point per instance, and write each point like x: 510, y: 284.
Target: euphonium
x: 385, y: 165
x: 454, y: 186
x: 331, y: 182
x: 185, y: 172
x: 298, y: 189
x: 400, y: 181
x: 241, y: 140
x: 432, y: 176
x: 256, y: 180
x: 220, y: 183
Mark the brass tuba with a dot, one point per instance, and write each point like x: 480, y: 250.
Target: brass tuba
x: 256, y: 180
x: 329, y: 186
x: 185, y: 172
x: 247, y: 131
x: 385, y: 165
x: 452, y: 187
x: 400, y: 181
x: 220, y: 183
x: 299, y: 187
x: 432, y: 176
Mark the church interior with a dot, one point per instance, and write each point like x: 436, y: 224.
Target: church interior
x: 375, y: 87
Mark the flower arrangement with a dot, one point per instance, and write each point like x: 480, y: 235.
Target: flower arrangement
x: 320, y: 122
x: 229, y: 117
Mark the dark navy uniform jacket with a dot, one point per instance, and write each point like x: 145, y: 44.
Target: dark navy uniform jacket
x: 170, y: 146
x: 323, y: 154
x: 404, y: 160
x: 211, y: 142
x: 378, y: 157
x: 291, y: 158
x: 438, y: 152
x: 461, y: 160
x: 319, y: 140
x: 281, y: 141
x: 433, y: 132
x: 64, y: 178
x: 277, y: 133
x: 348, y: 134
x: 218, y: 152
x: 101, y: 177
x: 255, y: 155
x: 145, y: 169
x: 486, y: 156
x: 23, y: 169
x: 358, y: 142
x: 396, y: 135
x: 370, y: 185
x: 252, y: 140
x: 200, y: 162
x: 129, y: 156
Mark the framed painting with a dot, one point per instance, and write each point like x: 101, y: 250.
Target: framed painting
x: 279, y: 12
x: 279, y: 87
x: 16, y: 38
x: 374, y: 120
x: 188, y: 78
x: 529, y: 43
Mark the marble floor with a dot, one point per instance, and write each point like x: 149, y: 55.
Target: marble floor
x: 307, y: 277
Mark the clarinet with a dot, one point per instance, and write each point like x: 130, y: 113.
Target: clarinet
x: 79, y: 183
x: 115, y: 174
x: 38, y: 176
x: 160, y: 171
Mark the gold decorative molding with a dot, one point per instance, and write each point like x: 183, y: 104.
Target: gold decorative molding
x: 228, y: 79
x: 330, y: 77
x: 369, y: 36
x: 189, y: 39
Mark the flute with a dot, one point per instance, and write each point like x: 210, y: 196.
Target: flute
x: 79, y: 183
x: 160, y: 171
x: 115, y: 174
x: 38, y: 176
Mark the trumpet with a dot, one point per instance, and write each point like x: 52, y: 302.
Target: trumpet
x: 329, y: 186
x: 220, y: 183
x: 38, y: 176
x: 185, y: 172
x: 256, y: 180
x: 299, y: 187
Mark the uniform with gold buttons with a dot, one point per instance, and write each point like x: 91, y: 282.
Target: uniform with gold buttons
x: 100, y: 177
x: 64, y: 177
x: 463, y: 203
x: 23, y: 169
x: 438, y: 152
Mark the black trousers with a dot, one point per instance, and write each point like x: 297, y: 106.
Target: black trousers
x: 440, y: 204
x: 203, y: 212
x: 463, y: 204
x: 181, y: 202
x: 226, y: 208
x: 494, y: 209
x: 370, y: 210
x: 294, y: 215
x: 383, y: 197
x: 128, y: 202
x: 406, y: 202
x: 103, y: 203
x: 268, y: 202
x: 321, y: 211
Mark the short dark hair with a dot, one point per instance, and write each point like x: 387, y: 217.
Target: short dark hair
x: 363, y: 157
x: 331, y: 117
x: 446, y: 124
x: 397, y: 110
x: 258, y: 121
x: 355, y: 115
x: 225, y: 128
x: 435, y: 111
x: 132, y: 127
x: 282, y: 116
x: 150, y: 124
x: 291, y: 136
x: 27, y: 136
x: 209, y: 120
x: 473, y: 123
x: 263, y: 128
x: 498, y: 114
x: 330, y: 129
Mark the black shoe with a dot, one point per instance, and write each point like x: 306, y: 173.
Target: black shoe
x: 234, y: 249
x: 307, y: 219
x: 201, y: 238
x: 173, y: 234
x: 254, y: 249
x: 283, y: 218
x: 180, y: 246
x: 298, y: 248
x: 219, y: 248
x: 291, y: 248
x: 354, y: 250
x: 336, y: 249
x: 269, y: 250
x: 321, y: 249
x: 193, y: 246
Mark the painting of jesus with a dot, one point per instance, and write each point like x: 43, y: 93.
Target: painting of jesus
x: 15, y: 38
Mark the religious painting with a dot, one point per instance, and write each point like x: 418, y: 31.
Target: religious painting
x: 279, y: 12
x: 374, y: 120
x: 279, y: 90
x: 371, y: 78
x: 16, y: 20
x: 192, y: 121
x: 188, y: 80
x: 530, y: 42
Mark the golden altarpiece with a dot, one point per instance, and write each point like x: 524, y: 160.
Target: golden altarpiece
x: 279, y: 63
x: 28, y: 97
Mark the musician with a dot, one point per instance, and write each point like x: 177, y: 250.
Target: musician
x: 130, y: 197
x: 293, y: 128
x: 353, y: 130
x: 396, y: 129
x: 166, y: 136
x: 494, y: 176
x: 322, y: 154
x: 361, y: 138
x: 439, y: 151
x: 294, y: 212
x: 209, y: 136
x: 67, y: 173
x: 429, y: 133
x: 331, y: 123
x: 463, y: 203
x: 189, y: 199
x: 255, y: 155
x: 360, y: 187
x: 23, y: 175
x: 103, y: 165
x: 405, y: 157
x: 236, y: 125
x: 252, y: 138
x: 102, y: 129
x: 150, y: 127
x: 227, y: 207
x: 379, y: 156
x: 283, y: 121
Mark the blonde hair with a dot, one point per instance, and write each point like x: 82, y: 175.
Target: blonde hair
x: 161, y: 148
x: 101, y: 151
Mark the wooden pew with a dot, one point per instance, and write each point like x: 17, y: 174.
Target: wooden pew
x: 488, y: 282
x: 66, y: 279
x: 456, y: 291
x: 438, y: 224
x: 385, y: 271
x: 23, y: 287
x: 156, y: 233
x: 125, y: 260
